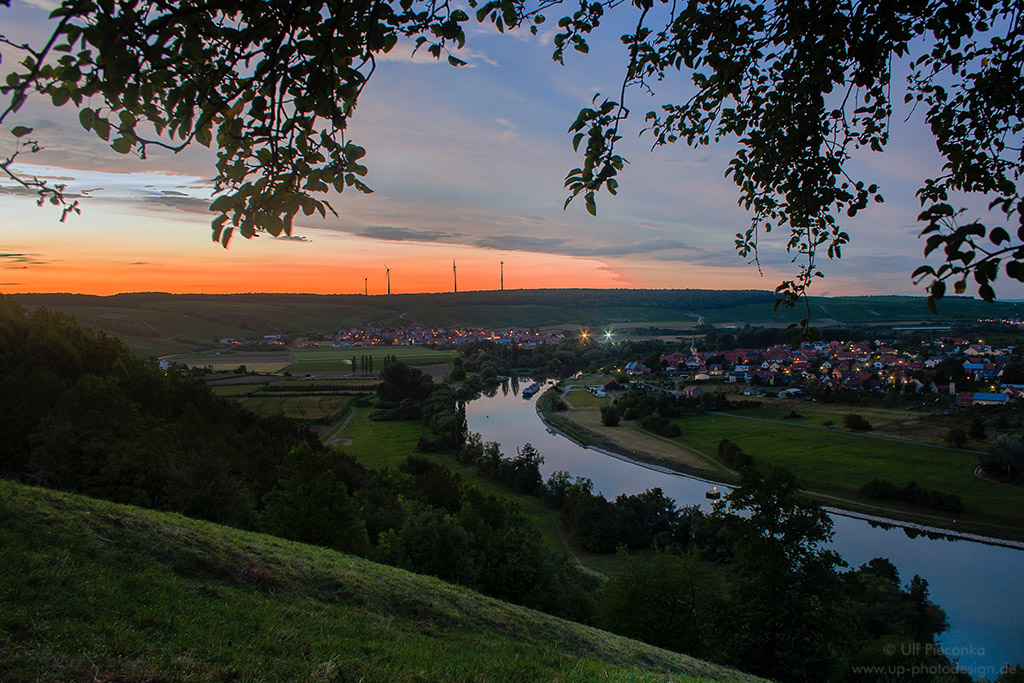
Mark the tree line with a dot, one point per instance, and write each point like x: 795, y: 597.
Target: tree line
x: 78, y: 412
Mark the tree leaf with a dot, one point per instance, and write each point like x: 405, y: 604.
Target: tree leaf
x: 60, y: 96
x: 86, y: 117
x: 121, y: 145
x: 102, y: 128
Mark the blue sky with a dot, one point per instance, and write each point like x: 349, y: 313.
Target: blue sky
x: 466, y: 163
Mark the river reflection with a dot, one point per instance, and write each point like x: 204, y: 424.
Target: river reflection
x: 979, y: 586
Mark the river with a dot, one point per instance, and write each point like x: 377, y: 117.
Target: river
x: 980, y: 586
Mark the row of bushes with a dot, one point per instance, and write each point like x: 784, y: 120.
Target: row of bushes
x: 880, y: 489
x: 660, y: 425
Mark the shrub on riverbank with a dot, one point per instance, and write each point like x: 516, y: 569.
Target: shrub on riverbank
x: 730, y: 454
x: 880, y: 489
x: 857, y: 423
x: 660, y: 425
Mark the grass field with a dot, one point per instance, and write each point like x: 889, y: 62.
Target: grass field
x: 340, y: 360
x: 349, y: 383
x: 585, y: 399
x: 308, y: 366
x: 229, y: 359
x: 837, y: 462
x: 915, y: 423
x: 297, y: 407
x: 311, y: 360
x: 379, y: 444
x: 235, y: 390
x: 97, y: 591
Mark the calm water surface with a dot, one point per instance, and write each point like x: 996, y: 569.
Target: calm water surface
x: 981, y: 587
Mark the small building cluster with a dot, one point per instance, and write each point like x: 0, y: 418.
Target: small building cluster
x: 857, y: 366
x: 433, y: 336
x: 403, y: 336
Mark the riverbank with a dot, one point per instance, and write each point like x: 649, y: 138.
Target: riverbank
x: 670, y: 456
x: 583, y: 426
x: 970, y: 580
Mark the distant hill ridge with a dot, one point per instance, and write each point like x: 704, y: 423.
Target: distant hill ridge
x: 155, y: 323
x: 583, y: 298
x: 99, y: 591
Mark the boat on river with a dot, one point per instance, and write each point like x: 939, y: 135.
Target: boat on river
x: 531, y: 390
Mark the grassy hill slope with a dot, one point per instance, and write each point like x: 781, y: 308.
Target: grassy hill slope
x: 97, y: 591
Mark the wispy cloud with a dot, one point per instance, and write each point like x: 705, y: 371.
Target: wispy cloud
x: 178, y: 201
x: 400, y: 234
x: 666, y: 249
x: 17, y: 261
x: 48, y: 5
x: 404, y: 53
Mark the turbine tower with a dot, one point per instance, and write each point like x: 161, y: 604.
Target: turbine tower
x: 502, y: 275
x: 364, y: 286
x: 387, y: 276
x: 455, y: 277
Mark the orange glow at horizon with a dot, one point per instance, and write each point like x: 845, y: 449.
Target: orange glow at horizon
x: 175, y: 254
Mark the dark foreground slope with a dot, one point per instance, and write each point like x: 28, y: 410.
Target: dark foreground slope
x: 97, y: 591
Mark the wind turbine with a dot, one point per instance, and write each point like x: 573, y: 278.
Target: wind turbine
x: 502, y: 275
x: 387, y: 275
x: 455, y: 280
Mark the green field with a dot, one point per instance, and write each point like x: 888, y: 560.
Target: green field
x: 97, y: 591
x: 235, y: 390
x: 917, y: 422
x: 833, y: 461
x: 340, y: 360
x: 308, y: 366
x: 379, y: 444
x: 312, y: 360
x: 229, y: 359
x: 354, y: 383
x: 297, y: 407
x: 585, y: 399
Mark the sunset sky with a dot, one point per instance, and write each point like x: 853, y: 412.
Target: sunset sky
x: 467, y: 165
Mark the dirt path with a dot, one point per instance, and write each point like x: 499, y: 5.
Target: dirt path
x: 644, y: 445
x: 332, y: 438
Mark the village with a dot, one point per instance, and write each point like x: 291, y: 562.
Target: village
x: 857, y: 366
x: 970, y: 372
x: 402, y: 336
